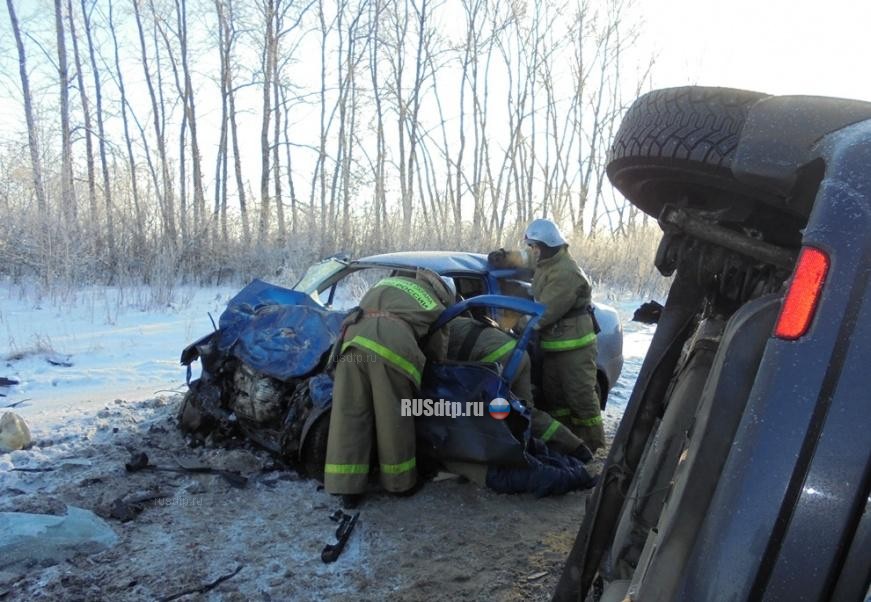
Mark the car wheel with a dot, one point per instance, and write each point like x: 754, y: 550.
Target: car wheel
x: 313, y: 455
x: 680, y: 140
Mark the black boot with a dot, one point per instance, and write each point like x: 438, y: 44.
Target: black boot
x: 410, y: 492
x: 582, y: 453
x: 351, y: 500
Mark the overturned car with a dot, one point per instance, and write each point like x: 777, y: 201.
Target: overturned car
x: 265, y: 373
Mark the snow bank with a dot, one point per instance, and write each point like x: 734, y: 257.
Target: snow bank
x: 73, y: 355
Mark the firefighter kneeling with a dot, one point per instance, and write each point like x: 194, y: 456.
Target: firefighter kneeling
x: 472, y: 341
x: 391, y: 319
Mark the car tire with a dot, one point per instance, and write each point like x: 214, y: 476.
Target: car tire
x: 313, y: 455
x: 681, y: 141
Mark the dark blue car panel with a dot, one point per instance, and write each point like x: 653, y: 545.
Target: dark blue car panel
x: 472, y: 438
x: 785, y: 510
x: 441, y: 262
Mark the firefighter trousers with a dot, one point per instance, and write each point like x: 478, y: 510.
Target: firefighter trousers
x: 569, y: 383
x: 367, y: 395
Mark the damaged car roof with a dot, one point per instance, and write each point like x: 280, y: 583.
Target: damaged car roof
x: 441, y: 262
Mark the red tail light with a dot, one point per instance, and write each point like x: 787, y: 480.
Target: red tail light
x: 803, y: 294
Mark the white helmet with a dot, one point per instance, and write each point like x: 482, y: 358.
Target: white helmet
x: 545, y: 232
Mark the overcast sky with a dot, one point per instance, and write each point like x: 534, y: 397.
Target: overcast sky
x: 773, y: 46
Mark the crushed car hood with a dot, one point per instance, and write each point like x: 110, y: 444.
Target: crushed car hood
x: 276, y: 331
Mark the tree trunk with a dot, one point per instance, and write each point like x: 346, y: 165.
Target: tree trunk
x: 380, y: 200
x: 101, y: 141
x: 220, y: 210
x: 200, y: 219
x: 137, y: 206
x: 276, y: 134
x: 291, y: 188
x: 230, y: 36
x: 400, y: 31
x: 68, y: 201
x: 166, y: 195
x: 266, y: 69
x: 93, y: 216
x: 36, y: 163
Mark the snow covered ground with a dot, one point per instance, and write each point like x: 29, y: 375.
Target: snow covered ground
x: 451, y: 540
x: 73, y: 355
x: 636, y: 340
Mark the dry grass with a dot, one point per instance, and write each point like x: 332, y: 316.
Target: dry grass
x: 624, y: 264
x: 42, y: 252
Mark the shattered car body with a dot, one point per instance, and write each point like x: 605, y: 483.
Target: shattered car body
x: 473, y: 276
x: 265, y: 375
x: 741, y: 468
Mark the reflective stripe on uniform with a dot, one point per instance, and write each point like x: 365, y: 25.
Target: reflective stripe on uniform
x: 389, y: 355
x: 551, y: 429
x: 497, y: 354
x: 399, y: 468
x: 415, y: 291
x: 587, y: 421
x: 567, y: 344
x: 346, y: 468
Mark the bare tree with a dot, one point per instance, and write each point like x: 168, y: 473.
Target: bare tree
x: 227, y: 23
x: 36, y: 164
x: 380, y: 197
x: 101, y: 133
x: 220, y: 208
x: 463, y: 133
x: 294, y: 203
x: 137, y: 205
x: 278, y: 17
x: 166, y: 196
x: 68, y: 200
x: 93, y: 218
x: 266, y: 58
x: 184, y: 88
x: 319, y: 174
x: 190, y: 111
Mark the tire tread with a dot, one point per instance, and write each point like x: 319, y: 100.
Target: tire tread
x: 691, y: 124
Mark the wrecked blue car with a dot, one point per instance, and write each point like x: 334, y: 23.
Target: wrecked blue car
x: 265, y: 379
x: 338, y: 283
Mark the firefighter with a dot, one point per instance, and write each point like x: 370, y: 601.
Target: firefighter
x: 379, y: 363
x: 470, y: 340
x: 567, y: 333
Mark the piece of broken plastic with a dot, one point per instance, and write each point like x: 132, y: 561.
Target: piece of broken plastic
x: 44, y: 537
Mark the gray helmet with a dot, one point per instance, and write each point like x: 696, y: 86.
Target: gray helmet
x: 544, y: 231
x: 445, y: 295
x: 451, y: 285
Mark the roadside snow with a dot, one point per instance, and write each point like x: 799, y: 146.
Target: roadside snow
x: 636, y: 341
x: 96, y: 345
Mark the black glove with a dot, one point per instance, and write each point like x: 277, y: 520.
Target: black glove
x: 498, y: 258
x: 503, y: 259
